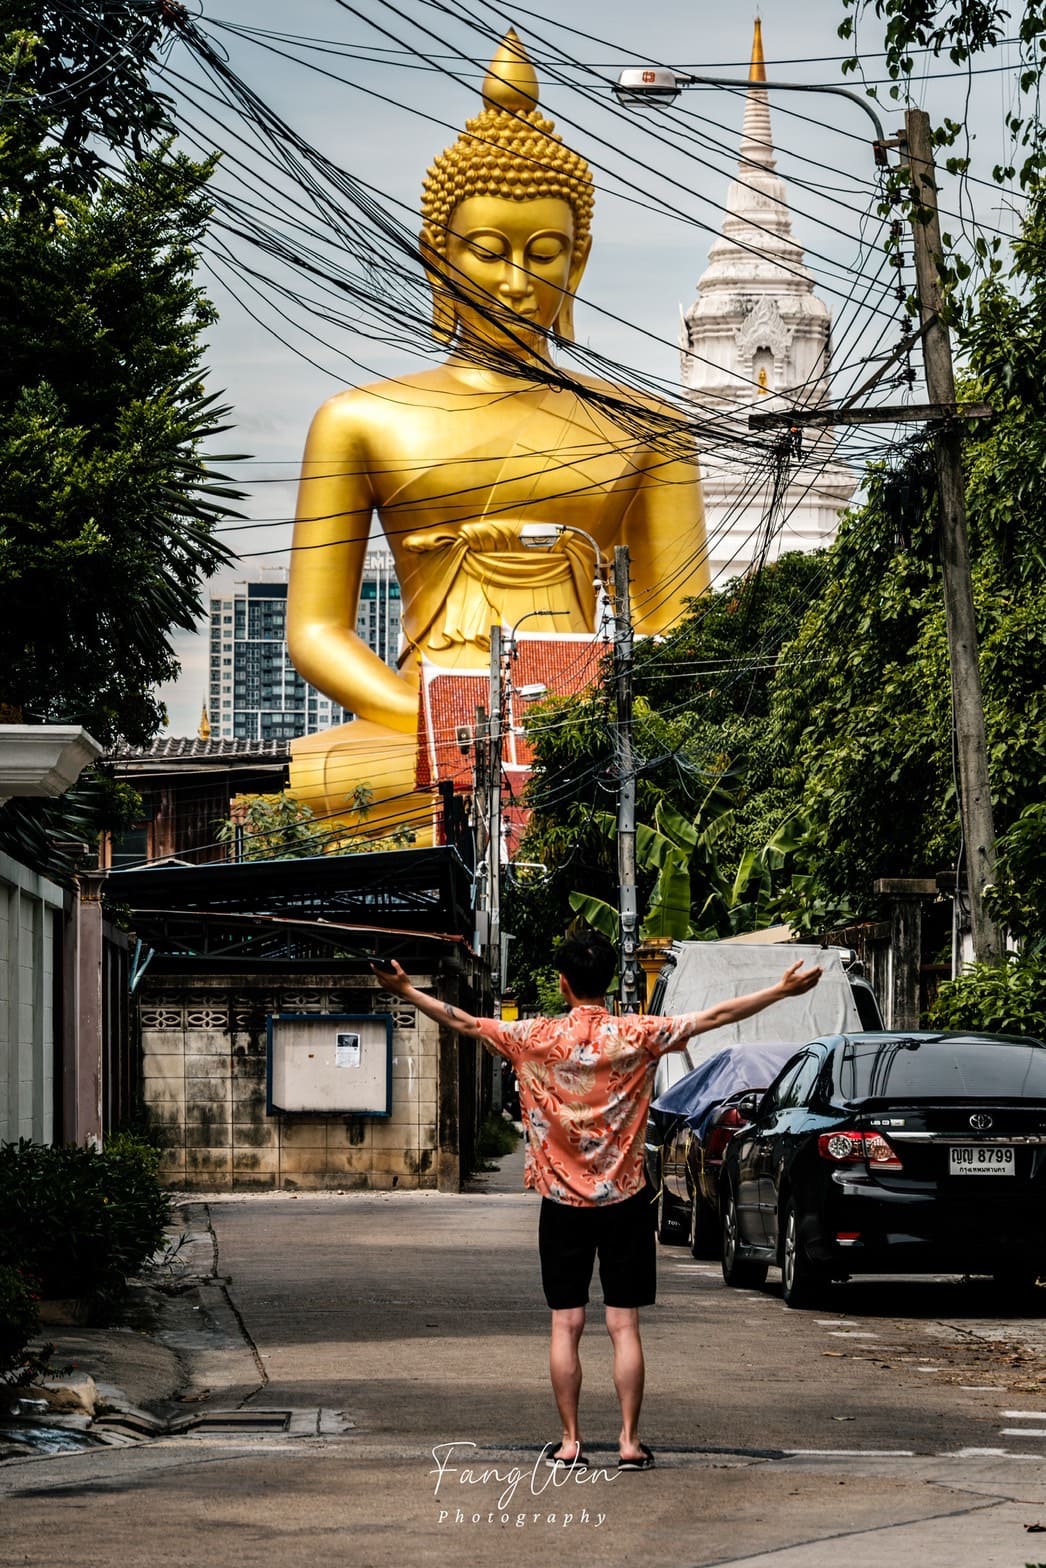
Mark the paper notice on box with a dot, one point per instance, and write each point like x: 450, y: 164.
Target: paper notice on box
x: 347, y: 1050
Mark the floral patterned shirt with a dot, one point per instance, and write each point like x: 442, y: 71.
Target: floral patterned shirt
x: 585, y: 1082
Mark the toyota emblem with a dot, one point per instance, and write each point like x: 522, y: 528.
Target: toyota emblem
x: 980, y: 1122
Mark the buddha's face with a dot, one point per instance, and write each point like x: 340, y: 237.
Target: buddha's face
x: 522, y: 256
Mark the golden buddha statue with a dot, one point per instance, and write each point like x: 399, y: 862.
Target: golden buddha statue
x: 455, y: 460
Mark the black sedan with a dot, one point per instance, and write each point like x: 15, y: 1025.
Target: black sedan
x: 891, y: 1153
x: 690, y: 1126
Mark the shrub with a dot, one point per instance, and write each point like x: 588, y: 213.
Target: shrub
x: 1009, y: 998
x: 19, y: 1321
x: 80, y: 1220
x: 495, y: 1138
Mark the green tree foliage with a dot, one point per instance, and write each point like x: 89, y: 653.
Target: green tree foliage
x: 108, y: 502
x: 278, y: 827
x: 959, y: 30
x: 76, y: 82
x: 1018, y: 899
x: 1007, y: 998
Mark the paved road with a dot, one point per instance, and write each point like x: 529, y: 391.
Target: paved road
x: 905, y: 1420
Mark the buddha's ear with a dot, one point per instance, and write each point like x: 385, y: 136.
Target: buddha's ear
x: 564, y: 323
x: 444, y: 315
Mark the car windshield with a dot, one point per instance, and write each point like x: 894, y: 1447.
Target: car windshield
x: 901, y: 1069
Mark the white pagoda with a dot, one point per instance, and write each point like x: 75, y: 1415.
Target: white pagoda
x: 757, y: 339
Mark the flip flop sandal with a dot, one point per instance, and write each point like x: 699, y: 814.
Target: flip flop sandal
x: 644, y: 1462
x: 560, y: 1459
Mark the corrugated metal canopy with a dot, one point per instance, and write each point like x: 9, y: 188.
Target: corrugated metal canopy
x: 300, y: 908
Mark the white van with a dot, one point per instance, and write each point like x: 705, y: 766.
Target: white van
x: 696, y: 975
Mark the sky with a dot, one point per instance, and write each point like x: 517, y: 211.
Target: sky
x: 411, y: 77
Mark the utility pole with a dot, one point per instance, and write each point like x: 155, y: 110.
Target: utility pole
x: 626, y: 784
x: 479, y: 827
x: 967, y: 699
x: 494, y: 807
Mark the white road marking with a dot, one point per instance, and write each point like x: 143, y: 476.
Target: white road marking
x: 851, y: 1333
x: 850, y: 1453
x: 981, y: 1388
x: 833, y: 1322
x: 1023, y: 1415
x: 1022, y: 1431
x: 927, y: 1369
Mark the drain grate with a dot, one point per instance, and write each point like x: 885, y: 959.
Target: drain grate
x: 256, y: 1421
x: 124, y: 1428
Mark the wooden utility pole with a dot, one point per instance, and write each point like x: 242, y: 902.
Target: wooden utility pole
x: 967, y: 699
x: 631, y: 972
x: 479, y: 827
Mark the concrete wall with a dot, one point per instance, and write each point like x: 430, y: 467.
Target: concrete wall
x: 203, y: 1073
x: 28, y: 905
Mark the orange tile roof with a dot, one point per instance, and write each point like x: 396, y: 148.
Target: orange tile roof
x: 561, y: 666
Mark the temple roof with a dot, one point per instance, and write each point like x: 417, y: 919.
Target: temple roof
x: 552, y: 666
x: 191, y: 748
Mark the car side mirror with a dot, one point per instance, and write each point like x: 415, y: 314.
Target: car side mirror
x: 749, y: 1104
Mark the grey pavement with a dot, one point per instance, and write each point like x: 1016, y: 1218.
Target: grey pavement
x: 907, y: 1422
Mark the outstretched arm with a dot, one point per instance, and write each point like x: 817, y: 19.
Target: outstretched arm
x: 398, y: 983
x: 794, y: 982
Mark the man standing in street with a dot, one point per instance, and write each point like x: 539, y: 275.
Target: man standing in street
x: 585, y: 1082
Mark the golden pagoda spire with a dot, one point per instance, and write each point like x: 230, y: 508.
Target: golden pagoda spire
x: 757, y: 146
x: 757, y: 69
x: 204, y: 730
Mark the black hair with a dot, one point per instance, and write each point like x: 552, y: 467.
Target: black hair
x: 588, y: 963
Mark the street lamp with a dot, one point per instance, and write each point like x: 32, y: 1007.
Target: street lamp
x: 542, y: 536
x: 645, y: 85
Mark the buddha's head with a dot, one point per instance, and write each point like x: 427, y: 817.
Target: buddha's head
x: 507, y: 212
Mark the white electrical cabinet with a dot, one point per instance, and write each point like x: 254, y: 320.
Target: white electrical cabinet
x: 328, y: 1064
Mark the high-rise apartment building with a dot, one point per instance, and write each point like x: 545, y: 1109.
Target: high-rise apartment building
x: 255, y: 691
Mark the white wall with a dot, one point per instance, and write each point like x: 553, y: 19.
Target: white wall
x: 27, y: 959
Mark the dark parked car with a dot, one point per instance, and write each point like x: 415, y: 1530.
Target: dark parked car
x: 891, y: 1153
x: 690, y: 1126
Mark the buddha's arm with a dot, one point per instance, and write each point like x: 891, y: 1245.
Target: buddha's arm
x: 335, y: 501
x: 664, y: 528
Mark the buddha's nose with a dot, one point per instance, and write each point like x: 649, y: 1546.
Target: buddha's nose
x: 515, y: 281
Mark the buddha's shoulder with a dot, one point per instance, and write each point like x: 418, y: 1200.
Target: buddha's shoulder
x: 400, y: 410
x: 372, y: 405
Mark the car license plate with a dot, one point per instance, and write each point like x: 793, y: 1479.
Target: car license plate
x: 980, y: 1160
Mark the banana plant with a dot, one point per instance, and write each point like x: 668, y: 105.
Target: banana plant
x: 667, y: 848
x: 673, y: 848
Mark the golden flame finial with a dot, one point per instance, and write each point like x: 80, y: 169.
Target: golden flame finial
x: 511, y: 82
x: 204, y: 730
x: 757, y: 69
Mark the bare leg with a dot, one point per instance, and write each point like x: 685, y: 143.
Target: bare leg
x: 629, y: 1371
x: 564, y: 1365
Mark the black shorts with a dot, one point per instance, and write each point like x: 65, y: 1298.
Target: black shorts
x: 621, y: 1234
